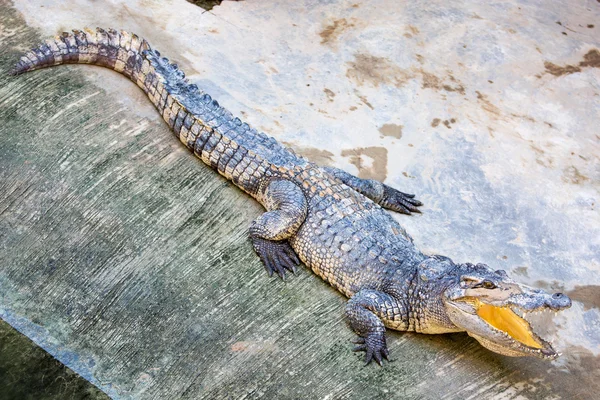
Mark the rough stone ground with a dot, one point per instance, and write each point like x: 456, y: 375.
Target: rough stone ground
x: 126, y: 258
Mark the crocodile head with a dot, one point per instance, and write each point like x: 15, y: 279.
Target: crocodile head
x: 493, y: 309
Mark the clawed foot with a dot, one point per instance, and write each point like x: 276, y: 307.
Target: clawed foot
x: 398, y: 201
x: 374, y: 346
x: 277, y: 256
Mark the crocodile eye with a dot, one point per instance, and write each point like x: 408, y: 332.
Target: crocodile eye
x: 488, y: 284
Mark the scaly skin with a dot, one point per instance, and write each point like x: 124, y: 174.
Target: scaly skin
x: 330, y: 220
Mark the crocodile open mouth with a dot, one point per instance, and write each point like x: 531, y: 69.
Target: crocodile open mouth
x: 506, y: 320
x: 511, y: 333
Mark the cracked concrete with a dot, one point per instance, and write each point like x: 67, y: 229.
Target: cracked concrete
x: 127, y: 260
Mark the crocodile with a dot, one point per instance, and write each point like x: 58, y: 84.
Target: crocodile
x: 331, y: 221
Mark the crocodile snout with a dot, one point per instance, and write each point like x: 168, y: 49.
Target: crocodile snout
x: 558, y: 301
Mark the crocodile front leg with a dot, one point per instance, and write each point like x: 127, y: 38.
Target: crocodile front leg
x: 286, y: 210
x: 365, y: 312
x: 384, y: 195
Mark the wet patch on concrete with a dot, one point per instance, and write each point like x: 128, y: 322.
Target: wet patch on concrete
x: 572, y: 175
x: 371, y: 162
x: 329, y: 93
x: 364, y: 100
x: 367, y: 69
x: 522, y: 271
x: 431, y: 81
x: 590, y: 60
x: 487, y: 105
x: 588, y: 295
x: 411, y: 31
x: 391, y: 130
x: 331, y: 33
x: 542, y: 157
x: 448, y: 123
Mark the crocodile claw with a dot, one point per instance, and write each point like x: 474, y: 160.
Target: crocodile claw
x: 375, y: 348
x: 398, y: 201
x: 277, y: 256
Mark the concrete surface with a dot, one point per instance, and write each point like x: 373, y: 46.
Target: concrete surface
x: 27, y: 372
x: 126, y: 258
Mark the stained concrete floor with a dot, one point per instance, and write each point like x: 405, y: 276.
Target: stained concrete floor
x: 126, y: 259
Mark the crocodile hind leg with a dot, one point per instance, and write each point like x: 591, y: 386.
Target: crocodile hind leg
x: 286, y: 210
x: 365, y: 312
x: 384, y: 195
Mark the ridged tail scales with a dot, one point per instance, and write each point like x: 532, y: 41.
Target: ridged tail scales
x: 235, y: 150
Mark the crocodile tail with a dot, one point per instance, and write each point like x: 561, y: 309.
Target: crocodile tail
x: 120, y: 51
x: 125, y: 52
x: 201, y: 124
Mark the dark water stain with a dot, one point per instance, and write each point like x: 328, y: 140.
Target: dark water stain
x: 572, y: 175
x: 487, y: 105
x: 556, y: 70
x: 430, y: 81
x: 364, y: 100
x: 373, y: 70
x: 392, y: 130
x: 332, y: 32
x: 378, y: 170
x: 590, y: 60
x: 521, y: 271
x: 554, y: 285
x: 329, y: 93
x: 318, y: 156
x: 580, y: 378
x: 460, y: 88
x: 448, y: 123
x: 588, y: 295
x: 541, y: 157
x: 523, y: 116
x: 369, y: 69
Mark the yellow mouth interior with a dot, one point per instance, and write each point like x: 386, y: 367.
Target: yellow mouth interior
x: 506, y: 320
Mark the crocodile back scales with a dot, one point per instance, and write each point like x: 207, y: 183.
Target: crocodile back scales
x: 346, y: 239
